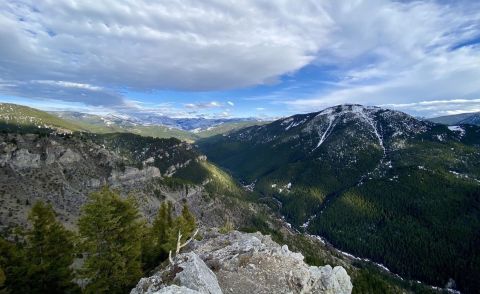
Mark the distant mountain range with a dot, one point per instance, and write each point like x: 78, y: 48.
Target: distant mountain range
x: 189, y: 129
x: 458, y: 119
x: 146, y: 119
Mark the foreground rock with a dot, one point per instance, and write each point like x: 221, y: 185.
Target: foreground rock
x: 243, y: 263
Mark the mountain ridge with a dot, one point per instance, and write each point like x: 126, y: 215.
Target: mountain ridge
x: 352, y: 174
x: 14, y: 117
x: 472, y: 118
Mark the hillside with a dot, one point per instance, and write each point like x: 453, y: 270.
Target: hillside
x: 458, y: 119
x: 114, y: 124
x: 17, y: 118
x: 375, y: 182
x: 226, y: 128
x: 13, y: 116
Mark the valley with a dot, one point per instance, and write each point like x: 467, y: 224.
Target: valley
x: 392, y: 191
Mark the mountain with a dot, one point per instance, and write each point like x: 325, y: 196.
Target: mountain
x: 146, y: 119
x: 189, y: 129
x: 186, y: 124
x: 374, y: 182
x: 122, y: 124
x: 458, y: 119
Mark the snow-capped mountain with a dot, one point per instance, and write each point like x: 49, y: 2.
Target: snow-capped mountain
x: 148, y: 119
x: 370, y: 180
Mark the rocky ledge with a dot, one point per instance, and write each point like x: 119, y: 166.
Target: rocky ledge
x: 243, y: 263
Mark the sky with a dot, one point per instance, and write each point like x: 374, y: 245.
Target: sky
x: 250, y: 58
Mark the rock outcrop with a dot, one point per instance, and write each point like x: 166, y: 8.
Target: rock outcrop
x: 188, y: 273
x: 243, y: 263
x: 63, y: 170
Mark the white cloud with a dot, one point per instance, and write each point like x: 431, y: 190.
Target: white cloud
x: 438, y: 107
x: 203, y: 105
x: 144, y: 45
x: 374, y: 52
x: 400, y: 52
x: 69, y: 85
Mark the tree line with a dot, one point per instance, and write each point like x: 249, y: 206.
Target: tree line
x: 111, y: 251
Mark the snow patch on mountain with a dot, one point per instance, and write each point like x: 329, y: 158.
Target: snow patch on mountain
x: 295, y: 124
x: 457, y: 129
x: 361, y: 112
x: 331, y: 119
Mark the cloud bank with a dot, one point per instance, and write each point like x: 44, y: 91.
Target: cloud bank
x: 371, y: 52
x: 389, y: 53
x: 146, y: 45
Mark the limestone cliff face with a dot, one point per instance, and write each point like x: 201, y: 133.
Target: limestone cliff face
x: 63, y: 170
x: 243, y: 263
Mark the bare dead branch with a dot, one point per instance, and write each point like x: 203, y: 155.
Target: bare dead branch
x: 180, y: 245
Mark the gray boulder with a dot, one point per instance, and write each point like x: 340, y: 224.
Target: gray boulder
x: 196, y: 275
x: 188, y: 274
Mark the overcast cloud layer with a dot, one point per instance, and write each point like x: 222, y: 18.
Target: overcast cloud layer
x: 399, y: 54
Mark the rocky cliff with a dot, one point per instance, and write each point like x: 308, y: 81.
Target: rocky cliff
x: 64, y: 169
x: 243, y: 263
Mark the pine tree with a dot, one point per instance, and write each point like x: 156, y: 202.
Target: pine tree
x: 187, y: 222
x: 14, y: 268
x: 164, y: 233
x: 184, y: 225
x: 161, y: 230
x: 163, y: 221
x: 154, y: 240
x: 49, y: 252
x: 111, y: 233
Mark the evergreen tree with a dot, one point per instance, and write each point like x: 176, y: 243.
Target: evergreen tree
x: 41, y: 262
x: 111, y: 233
x: 49, y: 251
x: 161, y: 230
x: 184, y: 225
x: 154, y: 240
x: 163, y: 221
x: 187, y: 223
x: 14, y: 268
x: 163, y: 236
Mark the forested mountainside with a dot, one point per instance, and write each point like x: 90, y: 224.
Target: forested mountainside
x: 21, y: 118
x: 375, y: 182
